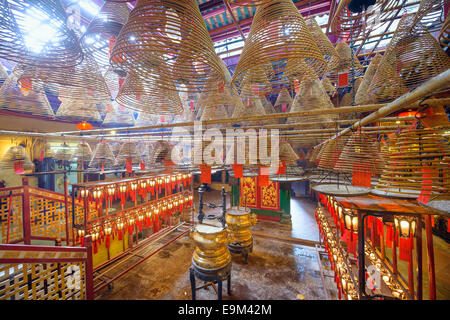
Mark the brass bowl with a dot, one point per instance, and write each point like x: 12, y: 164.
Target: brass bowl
x: 239, y: 221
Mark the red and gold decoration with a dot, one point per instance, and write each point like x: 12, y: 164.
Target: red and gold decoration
x: 255, y: 195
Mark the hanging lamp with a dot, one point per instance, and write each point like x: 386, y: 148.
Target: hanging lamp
x: 278, y: 34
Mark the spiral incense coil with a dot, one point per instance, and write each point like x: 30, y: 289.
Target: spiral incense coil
x: 78, y: 109
x: 119, y: 115
x: 328, y: 86
x: 23, y: 23
x: 64, y: 153
x: 172, y: 30
x: 430, y: 11
x: 109, y: 20
x: 325, y: 46
x: 330, y: 153
x: 15, y: 154
x: 115, y: 148
x: 102, y: 157
x: 362, y: 93
x: 347, y: 60
x: 144, y: 96
x: 128, y: 151
x: 360, y: 154
x: 278, y: 34
x: 82, y: 82
x: 213, y: 112
x: 83, y: 152
x: 444, y: 35
x: 3, y: 74
x: 346, y: 23
x: 412, y: 57
x: 250, y: 107
x: 287, y: 154
x: 313, y: 156
x: 16, y: 98
x: 161, y: 151
x: 256, y: 82
x: 311, y: 96
x: 144, y: 119
x: 283, y: 98
x: 249, y: 3
x: 419, y: 162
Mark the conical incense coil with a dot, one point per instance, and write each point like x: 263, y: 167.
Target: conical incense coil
x: 287, y: 154
x: 144, y: 119
x: 63, y: 153
x: 360, y: 154
x: 326, y: 47
x: 313, y: 156
x: 128, y: 152
x: 430, y: 11
x: 141, y: 95
x: 3, y: 74
x: 277, y: 35
x: 14, y: 97
x: 330, y: 153
x: 251, y: 107
x: 311, y: 96
x: 328, y: 86
x: 119, y: 115
x: 211, y: 112
x: 173, y: 30
x: 83, y: 152
x: 249, y: 2
x: 413, y: 55
x: 347, y: 60
x: 102, y: 157
x: 78, y: 109
x: 362, y: 94
x: 81, y: 82
x: 115, y: 148
x: 419, y: 163
x: 353, y: 23
x: 35, y: 32
x: 109, y: 20
x: 444, y: 35
x: 113, y: 81
x: 161, y: 152
x: 16, y: 154
x: 256, y: 82
x: 284, y: 98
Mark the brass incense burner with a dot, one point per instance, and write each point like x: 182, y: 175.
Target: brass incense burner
x: 239, y: 221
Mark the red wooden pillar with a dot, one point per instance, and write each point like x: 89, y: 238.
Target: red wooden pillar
x: 66, y: 206
x: 419, y: 258
x: 89, y: 271
x: 394, y: 252
x: 430, y: 253
x: 26, y: 218
x: 411, y: 269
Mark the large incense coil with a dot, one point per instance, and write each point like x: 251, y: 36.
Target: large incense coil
x: 329, y: 154
x: 362, y: 93
x: 64, y: 153
x: 328, y: 86
x: 109, y: 20
x: 15, y: 154
x: 444, y: 34
x: 115, y: 148
x: 326, y: 47
x: 3, y: 74
x: 161, y: 152
x: 213, y: 112
x: 278, y: 34
x: 119, y: 115
x: 347, y: 60
x: 113, y: 81
x: 128, y: 152
x: 256, y: 82
x: 283, y: 98
x: 22, y: 26
x: 250, y: 107
x: 412, y: 57
x: 430, y: 11
x: 83, y: 152
x: 248, y: 2
x: 15, y: 98
x: 287, y: 153
x: 81, y: 82
x: 420, y: 161
x: 172, y: 30
x: 102, y: 157
x: 78, y: 109
x: 144, y: 119
x: 360, y: 154
x: 346, y: 23
x: 311, y: 96
x: 312, y: 155
x: 144, y: 96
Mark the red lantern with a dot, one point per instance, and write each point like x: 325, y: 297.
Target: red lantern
x: 84, y: 126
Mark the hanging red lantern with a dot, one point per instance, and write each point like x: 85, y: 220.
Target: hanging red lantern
x: 84, y: 126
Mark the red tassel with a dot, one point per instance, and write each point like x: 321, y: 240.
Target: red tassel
x: 120, y: 234
x: 129, y: 165
x: 142, y: 165
x: 404, y: 249
x: 205, y: 174
x: 108, y: 241
x: 82, y: 241
x: 389, y: 233
x: 95, y: 247
x: 238, y: 170
x: 427, y: 183
x: 41, y: 157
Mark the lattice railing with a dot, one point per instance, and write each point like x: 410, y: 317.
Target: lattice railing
x: 29, y: 272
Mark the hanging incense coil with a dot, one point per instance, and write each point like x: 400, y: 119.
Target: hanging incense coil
x: 420, y: 163
x: 328, y: 86
x: 175, y: 31
x: 115, y: 148
x: 249, y: 107
x: 252, y: 3
x: 128, y: 152
x: 64, y: 153
x: 362, y: 93
x: 15, y: 154
x: 109, y: 20
x: 312, y: 96
x: 430, y: 12
x: 330, y: 152
x: 348, y: 62
x: 83, y: 152
x: 25, y: 29
x: 444, y: 35
x: 412, y: 57
x: 278, y: 34
x: 14, y: 97
x: 360, y: 154
x: 313, y: 156
x: 119, y: 115
x: 284, y: 98
x: 81, y: 82
x: 141, y: 95
x: 3, y: 74
x: 102, y: 157
x: 161, y: 152
x: 325, y: 46
x: 351, y: 24
x: 287, y: 153
x: 79, y: 110
x: 144, y: 119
